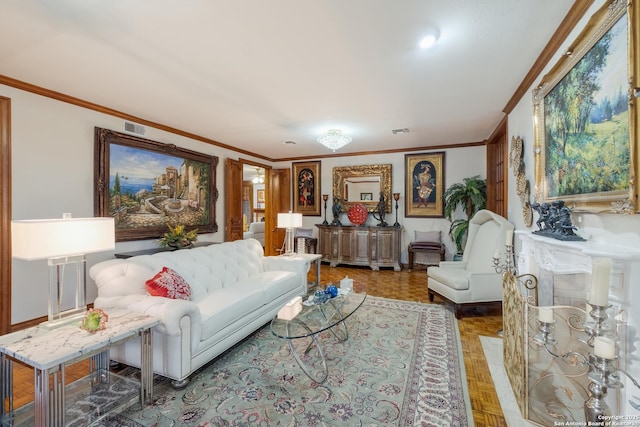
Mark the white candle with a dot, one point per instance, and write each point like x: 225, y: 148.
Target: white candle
x: 600, y: 274
x: 604, y: 347
x: 509, y: 241
x: 496, y: 255
x: 545, y: 315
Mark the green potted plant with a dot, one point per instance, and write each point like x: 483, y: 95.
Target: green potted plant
x: 178, y: 237
x: 471, y: 195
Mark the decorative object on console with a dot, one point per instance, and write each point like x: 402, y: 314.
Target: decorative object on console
x: 334, y: 139
x: 325, y: 197
x: 62, y: 242
x: 178, y: 237
x: 336, y: 209
x: 290, y: 221
x: 424, y: 185
x: 396, y: 197
x: 95, y: 319
x: 358, y: 214
x: 523, y: 188
x: 379, y: 213
x: 554, y: 221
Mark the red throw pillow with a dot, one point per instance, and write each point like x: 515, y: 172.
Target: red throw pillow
x: 169, y: 284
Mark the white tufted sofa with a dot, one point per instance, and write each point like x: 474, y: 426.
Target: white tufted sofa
x: 235, y: 290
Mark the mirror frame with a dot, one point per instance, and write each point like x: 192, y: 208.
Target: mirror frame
x: 383, y: 171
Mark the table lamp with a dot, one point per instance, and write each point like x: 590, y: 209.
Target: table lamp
x: 290, y: 221
x: 62, y: 242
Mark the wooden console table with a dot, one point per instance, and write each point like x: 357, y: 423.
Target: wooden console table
x: 370, y: 246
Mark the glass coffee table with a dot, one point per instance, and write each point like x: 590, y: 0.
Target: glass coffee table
x: 303, y: 330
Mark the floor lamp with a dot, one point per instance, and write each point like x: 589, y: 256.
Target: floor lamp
x: 290, y: 221
x: 62, y: 242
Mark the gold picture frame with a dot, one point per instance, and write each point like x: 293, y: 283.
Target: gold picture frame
x: 306, y: 188
x: 424, y: 185
x: 586, y: 118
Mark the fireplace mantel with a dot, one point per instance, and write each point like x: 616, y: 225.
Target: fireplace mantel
x: 564, y: 271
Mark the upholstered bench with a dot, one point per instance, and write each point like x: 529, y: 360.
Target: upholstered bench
x: 426, y: 248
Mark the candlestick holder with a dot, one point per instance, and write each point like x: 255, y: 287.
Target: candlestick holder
x: 508, y: 266
x: 602, y: 376
x: 545, y: 334
x: 325, y: 197
x: 599, y: 326
x: 396, y: 197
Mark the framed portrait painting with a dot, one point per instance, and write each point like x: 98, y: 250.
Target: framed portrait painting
x: 586, y: 119
x: 146, y: 185
x: 424, y: 184
x: 306, y: 188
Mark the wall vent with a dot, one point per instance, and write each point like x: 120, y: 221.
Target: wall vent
x: 133, y: 128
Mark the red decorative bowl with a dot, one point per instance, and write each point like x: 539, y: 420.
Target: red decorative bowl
x: 358, y: 214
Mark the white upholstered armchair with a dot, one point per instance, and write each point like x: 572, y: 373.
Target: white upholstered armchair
x: 473, y: 281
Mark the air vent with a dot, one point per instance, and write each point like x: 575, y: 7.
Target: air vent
x: 290, y: 142
x: 402, y: 130
x: 133, y: 128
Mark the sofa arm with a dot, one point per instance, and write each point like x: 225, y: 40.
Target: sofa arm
x: 288, y: 263
x: 170, y: 312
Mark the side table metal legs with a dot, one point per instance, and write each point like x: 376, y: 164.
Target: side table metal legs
x: 146, y: 365
x: 49, y: 402
x: 6, y: 386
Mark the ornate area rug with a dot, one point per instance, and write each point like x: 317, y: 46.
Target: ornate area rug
x: 401, y: 366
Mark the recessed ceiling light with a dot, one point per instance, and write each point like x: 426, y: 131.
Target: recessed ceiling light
x: 429, y: 40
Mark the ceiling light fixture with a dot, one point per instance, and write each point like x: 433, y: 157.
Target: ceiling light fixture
x: 259, y: 178
x: 430, y: 39
x: 334, y: 139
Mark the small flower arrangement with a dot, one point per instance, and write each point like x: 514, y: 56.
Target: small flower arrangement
x: 94, y: 320
x: 178, y: 237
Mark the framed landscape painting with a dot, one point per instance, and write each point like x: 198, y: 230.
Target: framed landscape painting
x: 306, y: 188
x: 146, y: 185
x: 424, y: 184
x: 586, y: 120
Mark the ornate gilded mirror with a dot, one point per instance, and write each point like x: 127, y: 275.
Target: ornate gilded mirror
x: 362, y: 184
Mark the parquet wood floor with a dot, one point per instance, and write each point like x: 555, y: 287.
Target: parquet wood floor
x: 403, y: 285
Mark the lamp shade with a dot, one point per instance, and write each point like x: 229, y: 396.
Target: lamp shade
x: 289, y: 220
x: 51, y: 238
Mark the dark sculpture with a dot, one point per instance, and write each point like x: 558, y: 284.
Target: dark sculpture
x: 555, y: 221
x: 336, y: 208
x: 379, y: 212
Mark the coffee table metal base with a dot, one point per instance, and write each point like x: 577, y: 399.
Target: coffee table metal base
x: 339, y: 331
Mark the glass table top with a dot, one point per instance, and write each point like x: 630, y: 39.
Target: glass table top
x: 319, y: 317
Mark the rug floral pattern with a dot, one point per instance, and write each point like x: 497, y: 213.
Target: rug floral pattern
x: 401, y: 366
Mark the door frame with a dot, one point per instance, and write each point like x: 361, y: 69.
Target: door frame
x: 267, y: 190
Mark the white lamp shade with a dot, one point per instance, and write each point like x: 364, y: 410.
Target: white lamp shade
x: 289, y: 220
x: 51, y: 238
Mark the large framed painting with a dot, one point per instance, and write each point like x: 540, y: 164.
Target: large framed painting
x: 306, y: 188
x: 146, y: 185
x: 586, y: 119
x: 424, y: 184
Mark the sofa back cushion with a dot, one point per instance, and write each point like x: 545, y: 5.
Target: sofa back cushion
x: 204, y: 268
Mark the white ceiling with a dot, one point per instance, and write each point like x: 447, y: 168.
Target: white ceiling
x: 252, y: 74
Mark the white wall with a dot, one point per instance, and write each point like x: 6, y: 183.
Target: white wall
x: 52, y: 173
